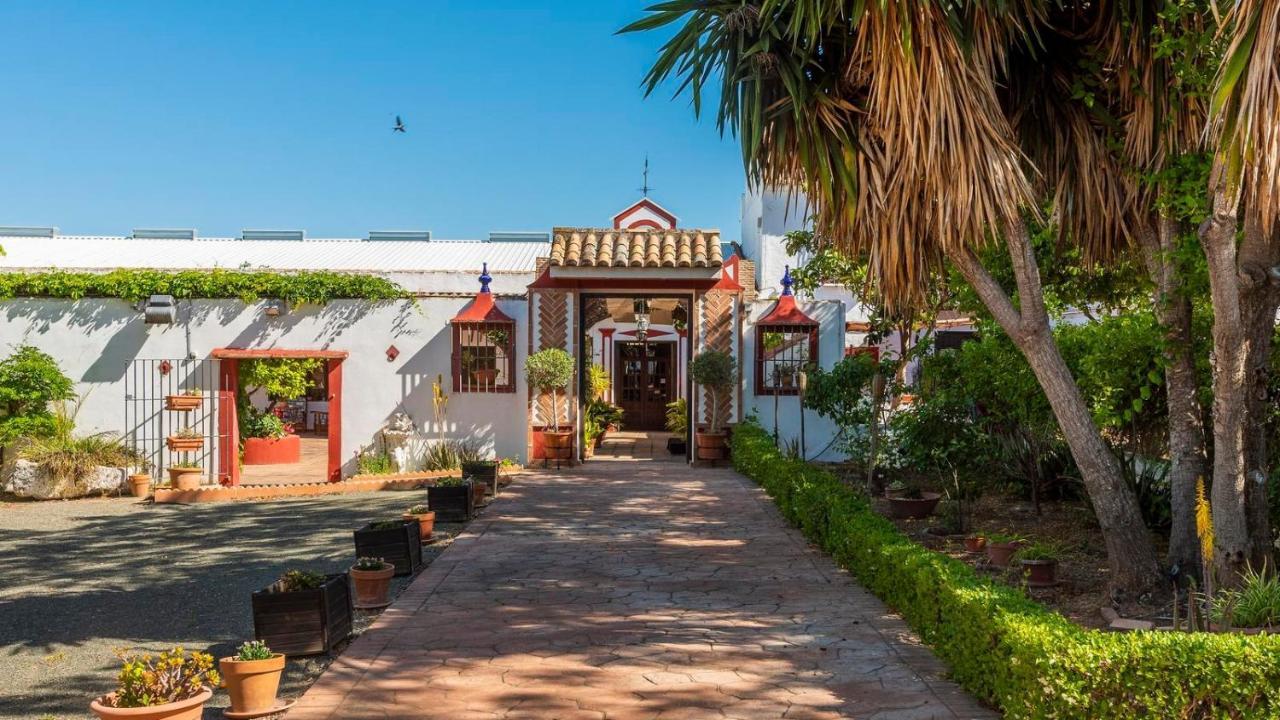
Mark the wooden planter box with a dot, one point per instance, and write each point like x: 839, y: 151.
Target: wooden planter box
x: 483, y: 473
x: 303, y: 622
x: 184, y: 444
x: 454, y: 503
x: 182, y: 403
x: 401, y: 545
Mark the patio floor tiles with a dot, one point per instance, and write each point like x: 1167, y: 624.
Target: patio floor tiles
x: 635, y: 590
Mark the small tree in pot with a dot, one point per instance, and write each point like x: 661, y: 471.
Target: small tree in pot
x: 550, y: 371
x: 713, y: 370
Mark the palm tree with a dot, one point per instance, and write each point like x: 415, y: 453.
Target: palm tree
x: 889, y: 117
x: 1244, y: 277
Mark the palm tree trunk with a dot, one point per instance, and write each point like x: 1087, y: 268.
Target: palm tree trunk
x: 1245, y: 299
x: 1186, y: 432
x: 1132, y: 559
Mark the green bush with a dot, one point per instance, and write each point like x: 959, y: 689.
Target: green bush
x: 715, y: 371
x: 317, y: 287
x: 29, y: 381
x: 1032, y: 663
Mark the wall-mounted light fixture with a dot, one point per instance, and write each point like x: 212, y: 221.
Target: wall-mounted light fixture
x: 275, y: 308
x: 160, y: 310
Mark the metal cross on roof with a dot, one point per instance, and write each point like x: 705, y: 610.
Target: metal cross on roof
x: 644, y: 188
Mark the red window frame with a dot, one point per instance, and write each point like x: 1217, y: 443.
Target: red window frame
x: 763, y: 362
x: 473, y: 337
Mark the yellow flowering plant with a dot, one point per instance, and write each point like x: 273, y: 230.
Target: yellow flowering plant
x: 175, y: 675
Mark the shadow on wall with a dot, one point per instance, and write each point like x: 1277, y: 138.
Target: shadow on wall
x: 330, y: 322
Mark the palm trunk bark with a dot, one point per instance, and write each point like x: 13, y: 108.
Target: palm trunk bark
x: 1132, y: 559
x: 1186, y: 432
x: 1245, y: 296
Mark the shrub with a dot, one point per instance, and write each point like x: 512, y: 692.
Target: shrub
x: 301, y: 580
x: 549, y: 371
x: 70, y: 457
x: 1032, y: 663
x: 678, y: 417
x: 1255, y: 604
x: 29, y: 381
x: 253, y: 650
x: 147, y: 681
x: 713, y: 370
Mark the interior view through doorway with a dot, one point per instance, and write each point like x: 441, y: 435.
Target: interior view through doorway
x: 641, y: 344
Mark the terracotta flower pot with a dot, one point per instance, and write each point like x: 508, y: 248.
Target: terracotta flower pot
x: 372, y: 586
x: 903, y: 508
x: 186, y: 478
x: 426, y: 523
x: 558, y: 445
x: 975, y: 544
x: 1041, y: 573
x: 140, y: 485
x: 711, y: 446
x: 182, y: 403
x: 1000, y: 554
x: 478, y: 493
x: 252, y: 684
x: 184, y: 444
x: 485, y: 377
x: 190, y: 709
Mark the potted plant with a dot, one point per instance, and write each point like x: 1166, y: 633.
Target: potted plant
x: 714, y: 371
x: 591, y: 433
x: 975, y: 543
x: 303, y: 613
x: 785, y: 375
x: 140, y: 483
x: 908, y: 500
x: 1039, y: 563
x: 483, y: 473
x: 426, y: 520
x: 371, y: 581
x: 252, y: 679
x: 1001, y: 547
x: 397, y: 541
x: 173, y: 686
x: 186, y: 475
x: 185, y: 401
x: 185, y: 440
x: 451, y: 499
x: 678, y: 425
x: 550, y: 371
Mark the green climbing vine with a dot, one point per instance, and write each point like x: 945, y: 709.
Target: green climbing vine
x: 314, y: 287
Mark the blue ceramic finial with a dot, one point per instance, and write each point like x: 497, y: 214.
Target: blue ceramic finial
x: 786, y: 280
x: 485, y: 279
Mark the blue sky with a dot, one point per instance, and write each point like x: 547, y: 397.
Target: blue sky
x: 227, y: 115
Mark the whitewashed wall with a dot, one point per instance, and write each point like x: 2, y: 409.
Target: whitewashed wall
x: 95, y: 341
x: 818, y: 431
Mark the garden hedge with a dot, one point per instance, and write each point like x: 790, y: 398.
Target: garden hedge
x: 1022, y: 657
x: 306, y: 286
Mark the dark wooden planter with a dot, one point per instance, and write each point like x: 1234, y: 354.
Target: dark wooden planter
x: 1041, y: 573
x: 677, y: 446
x: 303, y: 622
x: 483, y: 473
x: 913, y: 508
x: 451, y: 503
x: 401, y: 545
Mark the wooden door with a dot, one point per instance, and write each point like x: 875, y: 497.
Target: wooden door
x: 644, y: 379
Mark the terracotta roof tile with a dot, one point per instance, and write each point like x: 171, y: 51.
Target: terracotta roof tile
x: 595, y: 247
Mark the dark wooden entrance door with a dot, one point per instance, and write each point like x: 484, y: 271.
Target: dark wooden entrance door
x: 645, y: 382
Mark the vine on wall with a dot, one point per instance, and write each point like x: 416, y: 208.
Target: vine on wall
x: 316, y: 287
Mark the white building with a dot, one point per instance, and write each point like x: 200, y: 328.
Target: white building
x: 640, y: 298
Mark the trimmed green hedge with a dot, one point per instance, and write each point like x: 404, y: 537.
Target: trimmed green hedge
x: 316, y: 287
x: 1001, y: 646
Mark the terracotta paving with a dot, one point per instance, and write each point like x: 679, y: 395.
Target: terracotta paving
x: 635, y: 590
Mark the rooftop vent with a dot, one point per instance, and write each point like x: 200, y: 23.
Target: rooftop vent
x: 14, y: 231
x: 163, y: 234
x: 273, y: 234
x: 519, y: 237
x: 413, y: 235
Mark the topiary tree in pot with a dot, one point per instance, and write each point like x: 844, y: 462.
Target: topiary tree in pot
x: 550, y: 371
x: 715, y: 371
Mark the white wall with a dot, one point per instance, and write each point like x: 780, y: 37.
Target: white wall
x: 95, y: 341
x: 818, y: 431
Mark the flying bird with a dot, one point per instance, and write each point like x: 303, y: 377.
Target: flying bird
x: 399, y: 125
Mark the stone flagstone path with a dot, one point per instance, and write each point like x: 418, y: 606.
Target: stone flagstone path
x: 629, y: 589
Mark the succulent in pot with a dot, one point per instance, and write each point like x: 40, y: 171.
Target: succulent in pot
x: 909, y: 500
x: 252, y: 679
x: 174, y: 685
x: 371, y: 578
x: 425, y: 517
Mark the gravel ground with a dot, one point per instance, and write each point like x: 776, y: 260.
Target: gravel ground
x: 83, y: 578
